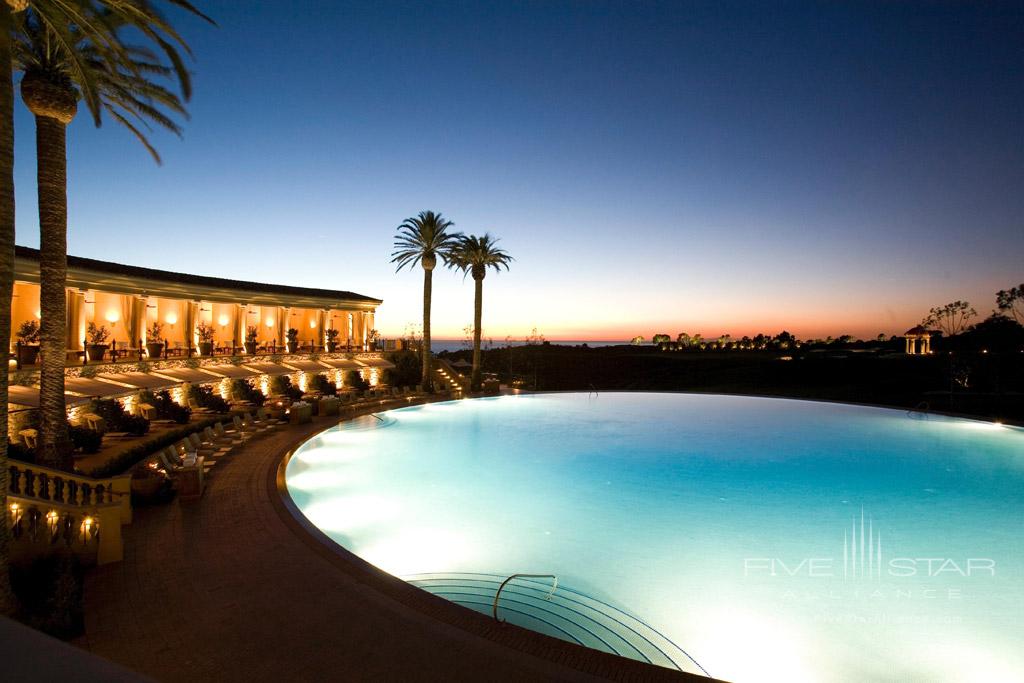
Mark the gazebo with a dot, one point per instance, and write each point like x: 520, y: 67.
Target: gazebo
x: 919, y: 340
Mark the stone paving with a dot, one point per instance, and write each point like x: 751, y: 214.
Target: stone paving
x: 232, y: 588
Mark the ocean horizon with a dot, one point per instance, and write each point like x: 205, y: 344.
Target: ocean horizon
x: 437, y: 345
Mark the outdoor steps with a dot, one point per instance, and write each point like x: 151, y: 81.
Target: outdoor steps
x: 444, y: 372
x: 568, y: 614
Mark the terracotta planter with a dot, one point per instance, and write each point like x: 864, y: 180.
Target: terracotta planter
x: 28, y: 354
x: 155, y: 349
x: 292, y: 346
x: 96, y: 352
x: 205, y: 348
x: 250, y: 347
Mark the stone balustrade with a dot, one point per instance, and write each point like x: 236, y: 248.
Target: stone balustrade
x: 49, y: 485
x: 46, y: 507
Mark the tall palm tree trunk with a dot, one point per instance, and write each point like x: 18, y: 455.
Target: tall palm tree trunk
x: 6, y: 285
x: 478, y: 314
x: 427, y: 293
x: 51, y: 154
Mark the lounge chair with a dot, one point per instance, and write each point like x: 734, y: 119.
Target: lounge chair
x: 246, y: 426
x: 207, y: 449
x: 236, y: 436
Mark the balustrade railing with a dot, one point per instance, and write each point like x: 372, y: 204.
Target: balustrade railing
x: 48, y: 507
x: 50, y: 485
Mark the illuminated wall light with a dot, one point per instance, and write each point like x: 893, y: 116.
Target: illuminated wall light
x: 223, y: 320
x: 171, y: 318
x: 270, y: 322
x: 52, y: 518
x: 112, y: 316
x: 89, y: 529
x: 312, y: 324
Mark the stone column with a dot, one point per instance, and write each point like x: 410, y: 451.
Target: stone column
x: 138, y: 321
x: 909, y: 344
x: 75, y: 331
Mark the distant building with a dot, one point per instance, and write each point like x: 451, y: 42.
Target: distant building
x: 919, y: 340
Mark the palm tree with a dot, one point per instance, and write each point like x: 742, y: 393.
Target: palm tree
x: 474, y: 255
x: 7, y: 603
x: 422, y: 240
x: 58, y: 67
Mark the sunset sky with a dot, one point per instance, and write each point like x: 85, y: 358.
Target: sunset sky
x: 704, y: 167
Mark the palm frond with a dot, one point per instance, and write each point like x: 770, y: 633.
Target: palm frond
x: 426, y: 235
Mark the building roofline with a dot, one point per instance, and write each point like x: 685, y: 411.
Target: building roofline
x: 214, y: 283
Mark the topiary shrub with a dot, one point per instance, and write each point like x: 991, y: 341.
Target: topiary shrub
x: 86, y: 440
x: 168, y: 409
x: 355, y: 380
x: 281, y: 385
x: 243, y: 390
x: 319, y: 384
x: 206, y: 397
x: 408, y: 369
x: 117, y: 419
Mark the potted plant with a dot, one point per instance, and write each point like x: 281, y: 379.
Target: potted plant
x: 373, y: 338
x: 250, y: 339
x: 292, y: 343
x: 28, y: 342
x: 206, y: 333
x: 95, y: 341
x: 154, y: 342
x: 332, y: 340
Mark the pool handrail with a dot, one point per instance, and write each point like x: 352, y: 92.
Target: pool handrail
x: 497, y: 594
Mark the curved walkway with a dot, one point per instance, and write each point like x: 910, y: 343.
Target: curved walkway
x: 232, y: 588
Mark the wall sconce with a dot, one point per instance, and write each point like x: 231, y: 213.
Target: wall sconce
x: 171, y: 318
x: 270, y: 322
x: 112, y: 317
x: 16, y: 513
x: 223, y: 320
x: 312, y: 324
x: 89, y: 529
x: 52, y: 520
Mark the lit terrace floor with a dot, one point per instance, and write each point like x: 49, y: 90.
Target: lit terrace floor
x: 230, y: 589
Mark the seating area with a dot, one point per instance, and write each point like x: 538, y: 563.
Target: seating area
x: 194, y: 458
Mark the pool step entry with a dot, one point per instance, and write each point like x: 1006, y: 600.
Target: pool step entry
x: 545, y: 606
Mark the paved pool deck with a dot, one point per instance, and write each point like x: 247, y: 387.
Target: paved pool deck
x: 233, y: 588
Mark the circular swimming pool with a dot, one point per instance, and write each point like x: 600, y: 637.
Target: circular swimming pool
x: 765, y: 539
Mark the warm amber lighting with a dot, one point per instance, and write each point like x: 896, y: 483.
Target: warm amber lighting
x: 270, y: 322
x: 312, y: 323
x: 51, y: 520
x: 39, y: 314
x: 171, y: 318
x: 112, y: 316
x: 223, y: 320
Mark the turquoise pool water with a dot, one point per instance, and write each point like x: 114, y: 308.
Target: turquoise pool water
x: 771, y: 539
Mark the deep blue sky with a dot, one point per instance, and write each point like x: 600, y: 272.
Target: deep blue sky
x: 703, y: 167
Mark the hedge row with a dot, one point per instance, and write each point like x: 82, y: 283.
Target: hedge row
x: 144, y: 449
